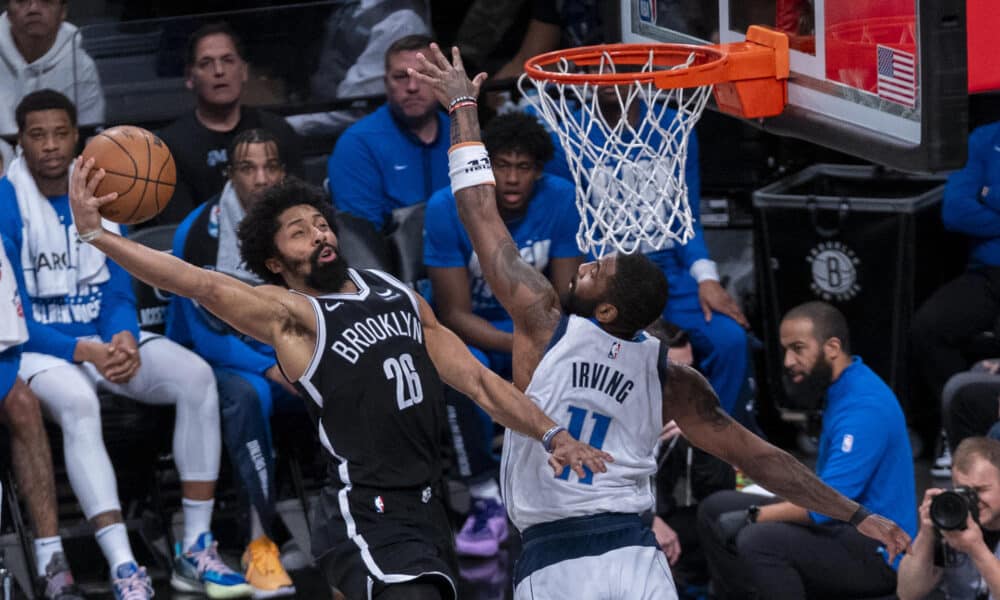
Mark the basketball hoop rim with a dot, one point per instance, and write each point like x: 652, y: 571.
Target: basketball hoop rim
x: 663, y: 55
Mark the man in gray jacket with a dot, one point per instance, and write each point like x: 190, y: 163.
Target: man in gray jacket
x: 38, y: 50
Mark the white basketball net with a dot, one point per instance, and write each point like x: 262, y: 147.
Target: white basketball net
x: 630, y: 185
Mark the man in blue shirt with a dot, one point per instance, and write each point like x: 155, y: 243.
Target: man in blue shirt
x: 398, y: 155
x: 969, y: 304
x: 84, y: 336
x: 250, y: 382
x: 756, y: 543
x: 540, y: 214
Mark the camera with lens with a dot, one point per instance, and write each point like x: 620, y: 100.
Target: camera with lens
x: 950, y: 510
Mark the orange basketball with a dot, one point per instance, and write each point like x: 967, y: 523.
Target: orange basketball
x: 138, y: 166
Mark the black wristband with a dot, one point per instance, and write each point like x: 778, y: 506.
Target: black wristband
x: 753, y: 511
x: 859, y: 515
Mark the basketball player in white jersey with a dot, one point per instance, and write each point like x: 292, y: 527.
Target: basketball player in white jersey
x: 608, y: 383
x: 365, y: 352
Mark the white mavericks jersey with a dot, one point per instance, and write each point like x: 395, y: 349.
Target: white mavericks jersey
x: 607, y: 392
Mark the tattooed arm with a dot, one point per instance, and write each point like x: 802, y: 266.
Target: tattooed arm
x: 689, y: 400
x: 524, y: 292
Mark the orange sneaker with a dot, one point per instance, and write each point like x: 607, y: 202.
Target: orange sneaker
x: 263, y: 570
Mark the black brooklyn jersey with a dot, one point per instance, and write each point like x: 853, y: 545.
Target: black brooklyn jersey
x: 373, y: 386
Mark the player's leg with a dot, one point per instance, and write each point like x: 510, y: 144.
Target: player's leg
x: 245, y: 400
x: 788, y: 561
x: 729, y: 578
x: 69, y: 397
x: 945, y: 322
x: 172, y: 374
x: 20, y: 410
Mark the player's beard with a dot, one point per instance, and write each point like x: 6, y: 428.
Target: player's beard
x: 327, y: 277
x: 809, y: 393
x: 575, y: 305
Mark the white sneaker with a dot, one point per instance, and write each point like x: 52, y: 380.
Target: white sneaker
x: 942, y: 464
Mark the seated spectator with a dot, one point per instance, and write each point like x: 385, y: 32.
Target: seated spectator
x: 250, y: 382
x: 84, y: 336
x: 962, y: 563
x: 970, y: 406
x: 398, y: 155
x: 39, y: 50
x: 540, y: 213
x: 29, y: 445
x: 967, y: 305
x: 763, y: 545
x: 352, y: 56
x: 553, y: 25
x: 216, y: 72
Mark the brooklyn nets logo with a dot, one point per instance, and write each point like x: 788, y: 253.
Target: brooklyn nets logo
x: 834, y: 271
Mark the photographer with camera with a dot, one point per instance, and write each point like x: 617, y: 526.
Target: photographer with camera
x: 955, y: 550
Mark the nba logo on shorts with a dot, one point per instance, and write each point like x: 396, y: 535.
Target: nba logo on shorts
x: 616, y: 347
x: 379, y: 505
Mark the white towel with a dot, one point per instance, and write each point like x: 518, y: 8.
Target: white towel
x: 228, y: 259
x: 73, y: 263
x: 13, y: 329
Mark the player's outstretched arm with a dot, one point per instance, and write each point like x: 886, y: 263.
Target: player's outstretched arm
x: 524, y: 292
x: 689, y: 400
x: 254, y: 311
x: 501, y: 400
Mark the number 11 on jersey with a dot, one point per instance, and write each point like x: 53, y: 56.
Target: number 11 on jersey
x: 577, y: 419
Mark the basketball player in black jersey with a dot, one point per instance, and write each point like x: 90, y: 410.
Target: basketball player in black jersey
x: 616, y: 303
x: 365, y: 352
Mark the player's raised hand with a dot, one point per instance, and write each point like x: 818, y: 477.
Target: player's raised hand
x: 448, y: 79
x: 569, y: 452
x: 891, y: 535
x: 82, y: 199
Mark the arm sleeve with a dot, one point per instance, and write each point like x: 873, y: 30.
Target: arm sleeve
x: 355, y: 183
x: 856, y: 445
x: 118, y: 311
x: 695, y: 249
x: 964, y: 208
x: 567, y: 220
x: 441, y: 240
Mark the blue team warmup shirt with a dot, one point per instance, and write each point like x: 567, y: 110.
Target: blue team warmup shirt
x: 966, y: 208
x: 378, y: 166
x: 546, y: 231
x: 54, y: 324
x: 864, y: 448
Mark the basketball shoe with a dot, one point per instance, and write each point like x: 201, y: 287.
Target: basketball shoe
x: 201, y: 570
x: 58, y: 580
x: 484, y: 529
x: 130, y: 582
x: 263, y: 571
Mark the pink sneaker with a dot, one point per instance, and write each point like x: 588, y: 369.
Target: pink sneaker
x: 484, y: 529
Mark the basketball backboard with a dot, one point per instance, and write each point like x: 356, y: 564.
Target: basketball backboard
x: 884, y: 80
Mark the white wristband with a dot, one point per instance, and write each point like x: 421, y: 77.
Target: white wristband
x: 92, y: 235
x: 469, y: 165
x: 704, y: 269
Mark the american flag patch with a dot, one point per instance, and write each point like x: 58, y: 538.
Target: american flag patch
x: 897, y: 75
